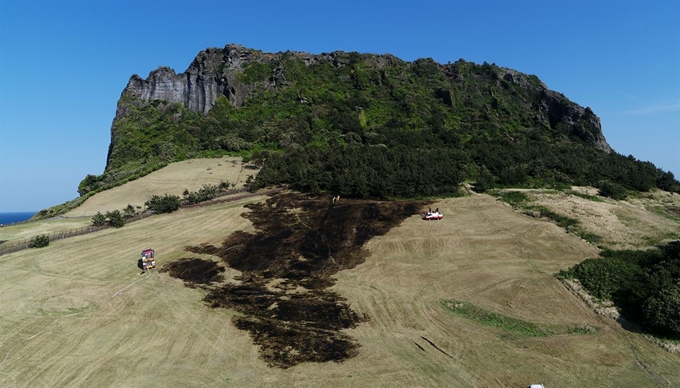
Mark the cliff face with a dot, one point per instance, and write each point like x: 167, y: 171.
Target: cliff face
x: 213, y: 73
x: 559, y: 110
x: 236, y: 99
x: 210, y: 75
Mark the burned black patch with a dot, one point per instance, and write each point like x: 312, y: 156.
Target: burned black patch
x: 195, y: 271
x: 286, y: 267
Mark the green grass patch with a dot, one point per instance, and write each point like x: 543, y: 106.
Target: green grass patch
x: 520, y: 200
x: 509, y: 324
x: 514, y: 198
x: 589, y: 197
x: 670, y: 213
x: 561, y: 221
x: 588, y: 236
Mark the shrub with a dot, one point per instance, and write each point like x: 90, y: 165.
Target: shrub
x: 165, y: 204
x: 561, y: 221
x: 662, y: 311
x: 40, y: 241
x: 644, y: 284
x: 129, y: 211
x: 205, y: 193
x: 603, y: 277
x: 99, y: 219
x: 612, y: 190
x: 115, y: 218
x: 484, y: 182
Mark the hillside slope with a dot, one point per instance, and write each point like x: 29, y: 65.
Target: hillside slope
x: 351, y: 123
x: 173, y: 179
x: 95, y: 321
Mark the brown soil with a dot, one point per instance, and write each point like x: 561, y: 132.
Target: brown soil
x: 286, y: 268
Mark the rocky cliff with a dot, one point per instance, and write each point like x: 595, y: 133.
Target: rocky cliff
x: 491, y: 122
x: 214, y: 73
x: 210, y: 75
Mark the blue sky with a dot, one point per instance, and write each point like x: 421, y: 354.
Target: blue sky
x: 63, y: 64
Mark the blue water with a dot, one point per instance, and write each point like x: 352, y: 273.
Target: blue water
x: 14, y: 217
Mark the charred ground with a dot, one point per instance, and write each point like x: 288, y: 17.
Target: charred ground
x: 195, y: 271
x: 286, y: 268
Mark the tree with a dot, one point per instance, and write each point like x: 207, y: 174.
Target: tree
x: 99, y: 219
x: 115, y: 218
x: 129, y: 211
x: 666, y: 181
x: 165, y: 204
x: 485, y: 181
x: 662, y: 311
x: 612, y: 190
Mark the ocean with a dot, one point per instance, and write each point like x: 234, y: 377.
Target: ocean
x: 14, y: 217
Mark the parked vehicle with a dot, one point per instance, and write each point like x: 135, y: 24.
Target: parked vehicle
x: 148, y: 260
x: 433, y: 215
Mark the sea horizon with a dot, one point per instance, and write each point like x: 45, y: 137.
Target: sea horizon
x: 9, y: 218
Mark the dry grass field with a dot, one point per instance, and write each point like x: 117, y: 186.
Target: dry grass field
x: 172, y: 179
x: 639, y: 221
x: 79, y: 313
x: 26, y: 230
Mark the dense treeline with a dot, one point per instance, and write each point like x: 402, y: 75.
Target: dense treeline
x: 378, y: 126
x: 644, y: 284
x: 361, y: 171
x: 414, y: 169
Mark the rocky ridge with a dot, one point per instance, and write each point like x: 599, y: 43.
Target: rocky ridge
x: 213, y: 73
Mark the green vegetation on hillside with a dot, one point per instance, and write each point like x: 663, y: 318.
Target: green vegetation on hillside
x: 368, y: 125
x: 644, y: 284
x: 509, y: 324
x: 520, y: 201
x: 40, y: 241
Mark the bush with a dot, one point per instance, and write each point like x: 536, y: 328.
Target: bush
x: 115, y: 218
x: 205, y: 193
x: 129, y: 211
x: 612, y: 190
x: 484, y: 182
x: 165, y: 204
x: 644, y: 284
x: 40, y: 241
x: 662, y: 311
x: 603, y: 277
x: 99, y: 219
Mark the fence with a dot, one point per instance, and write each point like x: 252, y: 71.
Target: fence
x: 25, y: 244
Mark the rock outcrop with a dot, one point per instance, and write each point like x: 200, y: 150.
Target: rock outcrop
x: 556, y: 108
x: 356, y: 96
x: 213, y: 74
x: 210, y: 75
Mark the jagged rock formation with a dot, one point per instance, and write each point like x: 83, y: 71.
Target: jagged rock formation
x: 210, y: 75
x: 213, y: 74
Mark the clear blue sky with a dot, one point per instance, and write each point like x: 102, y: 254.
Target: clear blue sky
x: 63, y: 64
